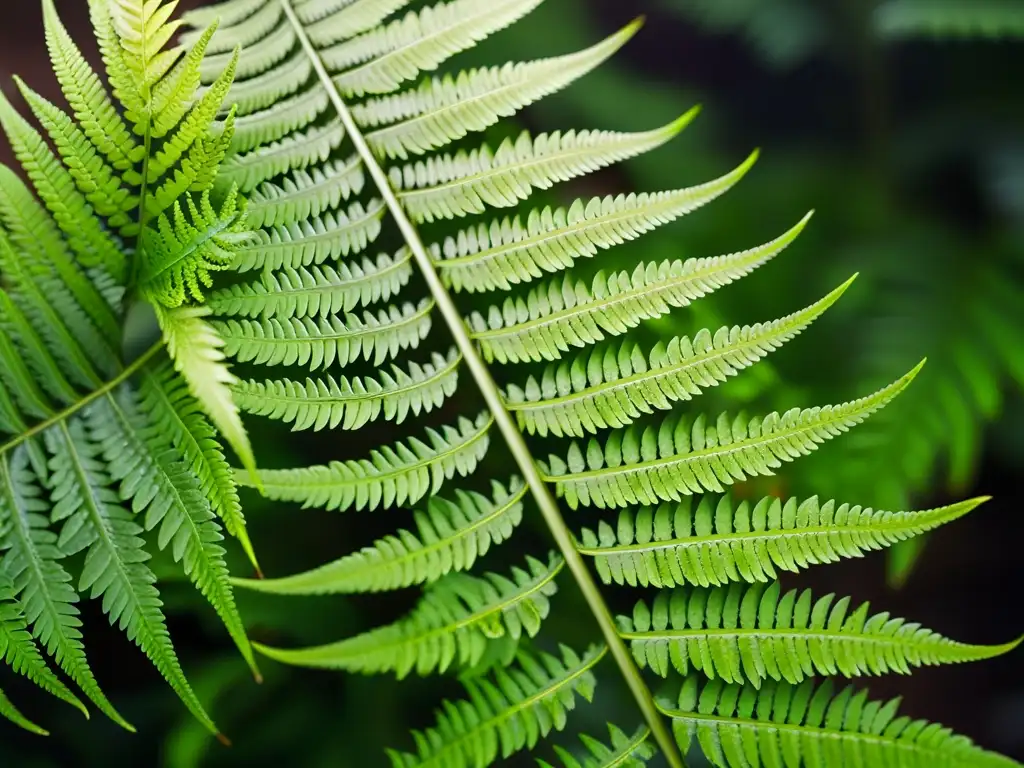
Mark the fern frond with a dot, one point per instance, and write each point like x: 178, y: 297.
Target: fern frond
x: 402, y: 474
x: 684, y: 456
x: 304, y: 195
x: 236, y: 30
x: 565, y: 313
x: 197, y: 353
x: 279, y: 120
x: 950, y: 18
x: 506, y: 252
x: 32, y: 562
x: 316, y: 291
x: 160, y: 488
x: 800, y: 725
x: 715, y: 544
x: 443, y: 110
x: 11, y: 713
x: 382, y: 59
x: 255, y: 59
x: 28, y: 397
x: 451, y: 186
x: 615, y: 386
x: 748, y: 634
x: 268, y: 87
x: 327, y: 403
x: 114, y: 566
x: 314, y: 240
x: 26, y: 345
x: 330, y: 23
x: 454, y: 623
x: 229, y: 12
x: 175, y: 413
x: 450, y: 537
x: 626, y: 751
x: 18, y: 649
x: 317, y: 344
x: 510, y: 710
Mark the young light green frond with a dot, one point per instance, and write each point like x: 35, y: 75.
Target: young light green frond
x: 180, y: 254
x: 452, y: 186
x: 509, y: 710
x: 506, y: 252
x: 393, y: 475
x: 316, y: 291
x: 172, y: 409
x: 159, y: 486
x: 12, y: 714
x: 296, y: 151
x: 175, y: 95
x: 29, y: 291
x: 565, y: 313
x: 95, y: 113
x: 748, y: 634
x: 795, y: 726
x: 319, y: 343
x: 717, y: 542
x: 613, y: 387
x: 56, y: 187
x: 27, y: 346
x: 320, y: 238
x: 626, y: 751
x: 450, y: 537
x: 18, y: 649
x: 684, y: 456
x: 452, y: 625
x: 269, y: 87
x: 354, y: 17
x: 950, y: 18
x: 279, y: 120
x: 443, y: 110
x: 198, y: 355
x: 115, y: 560
x: 304, y: 195
x: 384, y: 58
x: 40, y: 245
x: 31, y: 560
x: 327, y: 403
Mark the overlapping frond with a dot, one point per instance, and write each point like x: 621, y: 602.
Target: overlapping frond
x: 456, y: 621
x: 684, y: 456
x: 507, y: 711
x: 626, y: 751
x: 749, y: 634
x: 792, y: 726
x: 713, y: 543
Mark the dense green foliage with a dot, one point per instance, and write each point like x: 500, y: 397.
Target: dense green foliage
x: 278, y: 138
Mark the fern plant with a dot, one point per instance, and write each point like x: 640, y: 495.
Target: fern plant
x: 306, y: 112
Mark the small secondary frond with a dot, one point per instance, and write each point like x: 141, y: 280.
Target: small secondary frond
x: 714, y: 544
x: 456, y: 621
x: 792, y: 726
x: 450, y: 536
x: 684, y: 456
x: 509, y: 710
x: 626, y: 751
x: 749, y: 634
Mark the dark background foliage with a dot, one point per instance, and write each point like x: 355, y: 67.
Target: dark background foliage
x: 912, y: 153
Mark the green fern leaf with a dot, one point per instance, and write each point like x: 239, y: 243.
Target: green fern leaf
x: 800, y: 725
x: 950, y: 18
x: 450, y: 537
x: 454, y: 623
x: 505, y: 253
x: 303, y: 195
x: 748, y: 634
x: 713, y: 545
x: 326, y: 403
x: 402, y: 474
x: 441, y: 111
x: 24, y: 343
x: 565, y: 313
x: 330, y: 24
x: 683, y: 457
x: 9, y: 712
x: 114, y: 566
x: 615, y: 386
x: 509, y: 711
x: 450, y: 186
x: 626, y: 751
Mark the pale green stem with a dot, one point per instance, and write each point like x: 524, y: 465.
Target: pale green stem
x: 513, y: 437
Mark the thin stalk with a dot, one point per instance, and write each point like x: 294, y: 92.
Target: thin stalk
x: 71, y: 410
x: 513, y: 437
